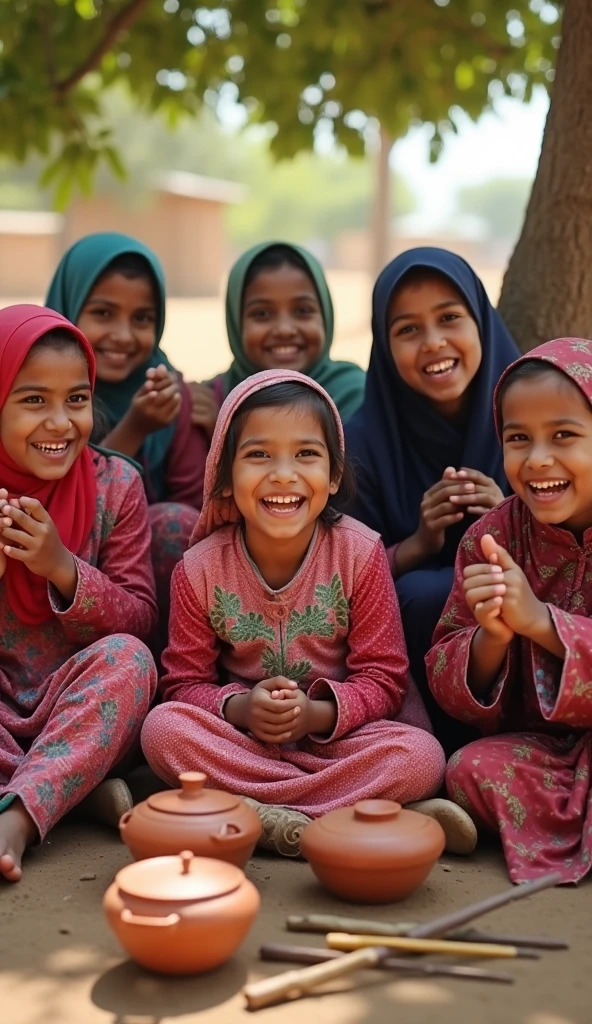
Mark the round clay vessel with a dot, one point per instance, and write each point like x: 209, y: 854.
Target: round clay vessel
x: 181, y: 915
x: 374, y: 852
x: 208, y: 822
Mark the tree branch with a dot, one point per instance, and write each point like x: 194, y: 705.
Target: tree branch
x: 118, y: 23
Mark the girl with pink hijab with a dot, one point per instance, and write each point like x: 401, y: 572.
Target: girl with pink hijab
x: 286, y: 673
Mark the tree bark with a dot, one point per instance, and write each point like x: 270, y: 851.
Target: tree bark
x: 381, y: 226
x: 547, y: 289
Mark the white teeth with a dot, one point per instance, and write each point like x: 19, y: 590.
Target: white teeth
x: 544, y: 485
x: 61, y: 447
x: 446, y: 364
x: 283, y: 499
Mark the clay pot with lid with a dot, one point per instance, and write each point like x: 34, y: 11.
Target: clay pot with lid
x: 374, y: 852
x: 209, y: 822
x: 181, y: 915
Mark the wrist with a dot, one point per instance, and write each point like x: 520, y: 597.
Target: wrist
x: 65, y: 576
x: 136, y: 431
x: 539, y: 627
x: 322, y: 717
x: 235, y: 710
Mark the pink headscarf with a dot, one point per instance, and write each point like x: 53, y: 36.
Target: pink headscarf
x: 219, y: 512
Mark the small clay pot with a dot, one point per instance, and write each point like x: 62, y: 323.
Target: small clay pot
x: 374, y: 852
x: 181, y: 915
x: 208, y: 822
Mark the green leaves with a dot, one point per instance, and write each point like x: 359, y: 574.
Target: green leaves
x: 400, y: 62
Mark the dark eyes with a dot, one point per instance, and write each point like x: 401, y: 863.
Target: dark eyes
x: 559, y: 435
x: 304, y: 453
x: 446, y: 318
x: 78, y: 399
x: 106, y: 314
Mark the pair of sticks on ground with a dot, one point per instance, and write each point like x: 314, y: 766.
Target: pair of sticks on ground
x: 363, y: 939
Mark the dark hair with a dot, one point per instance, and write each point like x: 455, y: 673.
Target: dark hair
x: 287, y: 394
x: 530, y: 369
x: 58, y: 340
x: 131, y: 265
x: 273, y: 258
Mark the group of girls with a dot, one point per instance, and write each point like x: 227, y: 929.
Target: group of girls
x: 313, y: 616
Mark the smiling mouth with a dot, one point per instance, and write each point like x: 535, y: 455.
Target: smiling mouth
x: 443, y: 368
x: 283, y: 505
x: 286, y: 351
x: 546, y: 490
x: 114, y: 357
x: 52, y: 448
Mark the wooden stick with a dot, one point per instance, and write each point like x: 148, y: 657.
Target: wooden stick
x: 294, y: 984
x: 323, y: 923
x: 444, y: 924
x: 346, y: 942
x: 306, y: 955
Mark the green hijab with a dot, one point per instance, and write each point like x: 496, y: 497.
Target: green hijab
x: 343, y: 381
x: 77, y: 272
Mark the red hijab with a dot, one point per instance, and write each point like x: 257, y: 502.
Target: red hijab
x: 71, y: 501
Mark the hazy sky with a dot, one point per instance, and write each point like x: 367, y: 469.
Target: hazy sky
x: 506, y: 143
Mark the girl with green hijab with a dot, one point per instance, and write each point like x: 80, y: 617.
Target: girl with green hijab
x: 279, y: 315
x: 112, y: 287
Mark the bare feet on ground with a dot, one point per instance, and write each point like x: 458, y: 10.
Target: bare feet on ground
x: 17, y: 831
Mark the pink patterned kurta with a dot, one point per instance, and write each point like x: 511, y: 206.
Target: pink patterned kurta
x: 75, y: 691
x: 336, y: 630
x: 530, y: 781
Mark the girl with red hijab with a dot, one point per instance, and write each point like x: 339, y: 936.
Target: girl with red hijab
x: 76, y: 588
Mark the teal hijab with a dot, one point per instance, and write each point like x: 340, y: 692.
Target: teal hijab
x: 72, y: 282
x: 343, y: 381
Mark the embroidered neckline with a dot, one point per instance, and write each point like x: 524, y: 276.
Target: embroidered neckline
x: 296, y: 575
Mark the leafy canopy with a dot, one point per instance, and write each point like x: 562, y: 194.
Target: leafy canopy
x: 308, y: 66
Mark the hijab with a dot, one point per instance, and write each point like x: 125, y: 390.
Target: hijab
x: 70, y: 501
x: 399, y: 443
x: 74, y: 279
x: 218, y: 512
x: 573, y: 356
x: 343, y: 381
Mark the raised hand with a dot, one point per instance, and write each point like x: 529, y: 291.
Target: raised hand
x: 485, y: 495
x: 157, y: 403
x: 204, y: 407
x: 28, y: 534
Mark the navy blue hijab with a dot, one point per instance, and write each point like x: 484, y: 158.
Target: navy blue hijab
x: 399, y: 444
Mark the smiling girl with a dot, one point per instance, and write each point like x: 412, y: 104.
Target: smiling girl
x: 279, y: 314
x: 282, y: 681
x: 512, y: 653
x: 113, y: 288
x: 76, y: 589
x: 423, y: 444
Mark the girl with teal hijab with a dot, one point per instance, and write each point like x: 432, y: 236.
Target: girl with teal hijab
x: 112, y: 287
x: 253, y: 271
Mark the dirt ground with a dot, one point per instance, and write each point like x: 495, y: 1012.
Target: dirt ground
x: 60, y: 964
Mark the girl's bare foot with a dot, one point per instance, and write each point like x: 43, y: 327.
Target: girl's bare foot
x: 17, y: 831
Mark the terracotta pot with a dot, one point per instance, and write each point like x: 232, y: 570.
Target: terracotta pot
x: 208, y: 822
x: 181, y: 915
x: 374, y: 852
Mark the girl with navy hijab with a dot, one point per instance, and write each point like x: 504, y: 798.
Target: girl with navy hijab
x: 423, y: 443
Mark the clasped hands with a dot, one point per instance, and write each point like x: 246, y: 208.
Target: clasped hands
x: 277, y: 711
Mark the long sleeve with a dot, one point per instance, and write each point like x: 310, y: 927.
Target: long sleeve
x: 448, y: 660
x: 564, y: 691
x: 116, y: 596
x: 186, y: 459
x: 190, y: 660
x: 377, y: 662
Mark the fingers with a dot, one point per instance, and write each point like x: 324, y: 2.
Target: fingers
x: 495, y: 553
x: 485, y: 569
x: 12, y: 516
x: 477, y: 596
x: 444, y: 489
x: 277, y: 683
x: 482, y: 498
x: 35, y: 509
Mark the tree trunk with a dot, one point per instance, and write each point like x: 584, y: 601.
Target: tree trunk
x: 547, y: 289
x: 381, y: 221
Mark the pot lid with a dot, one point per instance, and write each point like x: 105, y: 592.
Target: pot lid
x: 373, y: 825
x: 183, y: 877
x: 193, y: 797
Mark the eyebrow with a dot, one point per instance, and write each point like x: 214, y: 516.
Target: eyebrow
x: 41, y: 388
x: 440, y: 305
x: 296, y: 298
x: 562, y: 422
x: 263, y: 441
x: 114, y: 305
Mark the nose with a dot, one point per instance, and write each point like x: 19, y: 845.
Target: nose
x: 121, y: 329
x: 58, y: 420
x: 285, y: 326
x: 283, y: 471
x: 434, y: 339
x: 539, y: 456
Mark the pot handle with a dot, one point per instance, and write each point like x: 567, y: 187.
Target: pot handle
x: 228, y: 834
x: 152, y: 922
x: 125, y: 817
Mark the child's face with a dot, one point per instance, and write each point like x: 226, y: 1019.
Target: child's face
x: 281, y: 478
x: 282, y: 323
x: 47, y: 418
x: 119, y: 319
x: 547, y: 440
x: 434, y: 341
